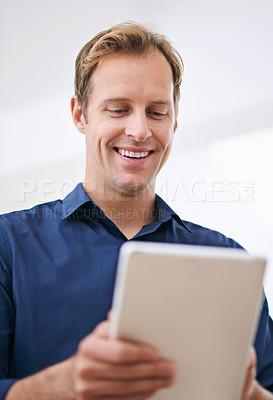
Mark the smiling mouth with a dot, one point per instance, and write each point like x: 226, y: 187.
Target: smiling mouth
x: 133, y: 154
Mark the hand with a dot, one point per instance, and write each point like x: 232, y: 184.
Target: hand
x: 116, y: 369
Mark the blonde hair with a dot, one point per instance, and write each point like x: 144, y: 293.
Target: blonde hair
x: 127, y: 38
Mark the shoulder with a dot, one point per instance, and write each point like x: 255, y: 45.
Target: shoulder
x: 36, y: 213
x: 18, y: 223
x: 186, y: 232
x: 20, y: 230
x: 200, y: 235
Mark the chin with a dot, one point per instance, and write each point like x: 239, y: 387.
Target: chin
x: 134, y: 188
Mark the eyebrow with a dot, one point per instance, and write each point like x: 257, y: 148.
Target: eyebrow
x: 164, y: 102
x: 114, y: 99
x: 121, y: 99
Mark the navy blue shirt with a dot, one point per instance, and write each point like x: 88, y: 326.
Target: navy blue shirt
x: 57, y: 272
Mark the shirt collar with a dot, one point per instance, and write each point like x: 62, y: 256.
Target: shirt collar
x: 165, y: 213
x: 74, y: 200
x: 78, y: 197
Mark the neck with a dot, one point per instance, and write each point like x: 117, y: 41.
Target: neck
x: 129, y: 212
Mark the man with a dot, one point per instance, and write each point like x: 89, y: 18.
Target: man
x: 58, y: 260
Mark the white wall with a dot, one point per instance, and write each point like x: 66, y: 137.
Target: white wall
x: 225, y: 122
x: 226, y: 186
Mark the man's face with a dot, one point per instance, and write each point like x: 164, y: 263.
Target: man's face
x: 130, y: 122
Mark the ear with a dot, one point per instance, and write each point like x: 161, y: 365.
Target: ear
x: 175, y: 126
x: 77, y: 114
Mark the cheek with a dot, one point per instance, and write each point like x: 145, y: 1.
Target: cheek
x: 101, y: 134
x: 165, y: 139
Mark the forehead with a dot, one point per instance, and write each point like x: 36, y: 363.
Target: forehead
x: 122, y: 74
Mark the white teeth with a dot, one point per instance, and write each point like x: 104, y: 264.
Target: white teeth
x: 132, y: 154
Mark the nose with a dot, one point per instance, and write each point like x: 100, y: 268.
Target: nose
x: 138, y: 127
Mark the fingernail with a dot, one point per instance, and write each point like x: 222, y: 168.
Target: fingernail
x: 151, y: 355
x: 168, y: 381
x: 168, y: 369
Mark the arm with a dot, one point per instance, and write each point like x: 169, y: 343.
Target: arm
x: 52, y: 383
x: 101, y: 368
x: 7, y: 321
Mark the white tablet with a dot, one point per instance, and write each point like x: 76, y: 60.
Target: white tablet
x: 199, y: 306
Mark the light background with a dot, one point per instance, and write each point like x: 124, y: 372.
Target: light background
x: 219, y: 174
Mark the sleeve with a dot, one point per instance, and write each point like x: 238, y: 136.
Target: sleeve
x: 264, y: 348
x: 7, y: 313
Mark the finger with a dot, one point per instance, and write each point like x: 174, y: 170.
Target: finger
x: 143, y: 396
x: 92, y: 369
x: 122, y: 389
x: 115, y: 351
x: 251, y: 368
x: 102, y: 329
x: 252, y: 358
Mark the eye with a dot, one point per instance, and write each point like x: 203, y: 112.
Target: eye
x: 117, y: 112
x: 157, y: 114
